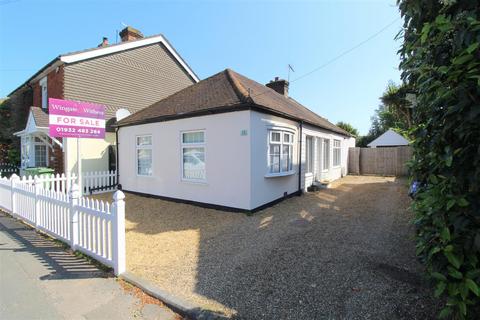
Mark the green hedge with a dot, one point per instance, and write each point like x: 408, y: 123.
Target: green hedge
x: 441, y: 61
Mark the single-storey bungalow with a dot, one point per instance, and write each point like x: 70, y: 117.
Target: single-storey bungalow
x: 231, y: 142
x: 389, y: 138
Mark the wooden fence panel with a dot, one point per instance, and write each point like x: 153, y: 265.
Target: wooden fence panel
x: 379, y: 161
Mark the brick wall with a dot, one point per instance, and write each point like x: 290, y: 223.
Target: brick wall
x: 20, y: 103
x: 55, y: 80
x: 54, y: 87
x: 56, y: 158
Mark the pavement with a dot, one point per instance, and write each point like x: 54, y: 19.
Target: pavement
x: 40, y: 280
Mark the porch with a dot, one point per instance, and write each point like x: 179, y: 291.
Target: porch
x: 38, y: 149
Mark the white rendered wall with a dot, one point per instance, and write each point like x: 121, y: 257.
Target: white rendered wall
x: 267, y: 189
x: 333, y: 172
x: 93, y: 152
x: 227, y: 160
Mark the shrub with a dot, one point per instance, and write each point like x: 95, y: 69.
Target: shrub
x: 441, y: 61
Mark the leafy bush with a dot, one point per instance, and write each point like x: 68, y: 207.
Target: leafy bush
x: 441, y: 61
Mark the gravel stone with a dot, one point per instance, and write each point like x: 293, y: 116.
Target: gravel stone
x: 346, y: 252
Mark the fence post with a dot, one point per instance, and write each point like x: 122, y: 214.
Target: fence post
x: 13, y: 179
x: 74, y: 196
x: 36, y: 185
x: 119, y: 255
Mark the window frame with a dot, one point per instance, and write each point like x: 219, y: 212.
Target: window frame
x: 281, y: 143
x: 339, y: 150
x: 137, y: 147
x: 184, y: 145
x: 324, y: 143
x: 43, y: 83
x: 40, y: 143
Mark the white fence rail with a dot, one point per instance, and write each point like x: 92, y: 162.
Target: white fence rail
x: 93, y: 227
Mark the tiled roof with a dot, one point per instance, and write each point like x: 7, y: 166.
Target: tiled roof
x: 40, y: 116
x: 227, y: 91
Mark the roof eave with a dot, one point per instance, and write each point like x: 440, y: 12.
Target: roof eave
x: 225, y: 109
x: 98, y: 52
x: 38, y: 74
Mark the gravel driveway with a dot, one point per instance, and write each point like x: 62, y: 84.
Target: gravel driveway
x: 340, y: 253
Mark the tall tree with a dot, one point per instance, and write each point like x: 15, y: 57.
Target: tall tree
x: 395, y: 99
x: 348, y: 127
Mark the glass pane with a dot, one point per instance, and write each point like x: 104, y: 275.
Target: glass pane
x: 144, y: 162
x: 194, y: 137
x: 309, y: 154
x: 287, y: 138
x: 194, y: 163
x: 144, y: 141
x: 286, y: 158
x: 40, y: 156
x: 274, y: 158
x: 326, y: 154
x: 275, y: 136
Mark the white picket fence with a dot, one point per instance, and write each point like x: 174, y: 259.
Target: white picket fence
x: 54, y: 182
x: 92, y: 182
x: 91, y: 226
x: 7, y: 169
x: 99, y: 181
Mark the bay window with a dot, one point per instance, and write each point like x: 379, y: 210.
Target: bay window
x: 280, y: 152
x: 193, y: 156
x: 144, y: 155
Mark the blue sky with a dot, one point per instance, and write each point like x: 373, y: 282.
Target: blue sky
x: 256, y: 38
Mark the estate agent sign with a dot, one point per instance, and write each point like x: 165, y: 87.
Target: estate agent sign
x: 74, y: 119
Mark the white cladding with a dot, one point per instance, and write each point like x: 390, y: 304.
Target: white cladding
x: 236, y: 159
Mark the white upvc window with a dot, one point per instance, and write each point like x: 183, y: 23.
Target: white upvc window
x: 280, y: 152
x: 193, y: 156
x: 44, y: 92
x: 326, y: 154
x: 337, y: 153
x: 41, y: 153
x: 144, y: 155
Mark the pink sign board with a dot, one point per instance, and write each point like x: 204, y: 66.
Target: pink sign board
x: 75, y: 119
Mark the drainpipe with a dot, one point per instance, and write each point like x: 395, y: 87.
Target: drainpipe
x: 300, y: 160
x: 119, y: 186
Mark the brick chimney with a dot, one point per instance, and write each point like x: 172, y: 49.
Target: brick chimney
x: 130, y: 33
x: 104, y: 42
x: 279, y: 85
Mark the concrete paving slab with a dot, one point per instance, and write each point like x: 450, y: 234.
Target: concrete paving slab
x: 40, y: 280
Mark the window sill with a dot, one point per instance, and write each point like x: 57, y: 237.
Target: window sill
x: 280, y: 174
x: 199, y: 182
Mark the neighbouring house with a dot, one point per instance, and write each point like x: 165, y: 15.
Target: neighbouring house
x: 389, y: 138
x: 127, y: 76
x: 229, y: 141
